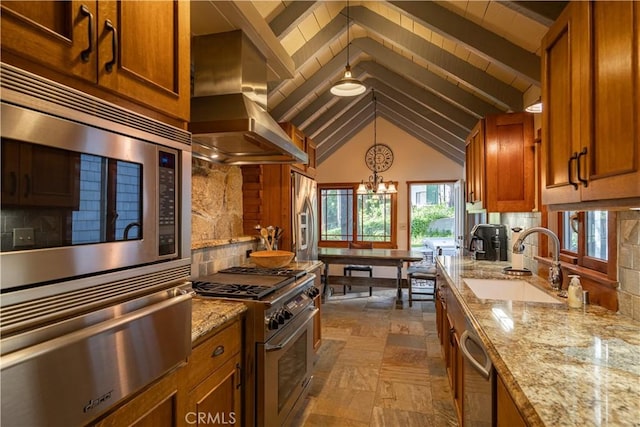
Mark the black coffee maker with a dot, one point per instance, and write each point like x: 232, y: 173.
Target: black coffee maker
x: 489, y: 242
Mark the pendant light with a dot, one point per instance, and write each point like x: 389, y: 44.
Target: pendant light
x: 536, y: 107
x: 375, y: 184
x: 347, y: 85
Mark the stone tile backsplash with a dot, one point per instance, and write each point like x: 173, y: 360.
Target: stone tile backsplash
x: 629, y: 263
x: 628, y: 254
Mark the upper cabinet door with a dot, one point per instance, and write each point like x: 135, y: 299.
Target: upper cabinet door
x: 138, y: 51
x: 510, y: 157
x: 611, y: 146
x: 561, y: 74
x: 144, y: 52
x: 591, y: 97
x: 56, y: 34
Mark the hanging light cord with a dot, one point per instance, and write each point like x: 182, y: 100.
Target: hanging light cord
x: 375, y: 134
x: 348, y: 33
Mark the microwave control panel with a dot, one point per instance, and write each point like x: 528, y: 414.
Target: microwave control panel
x: 167, y: 189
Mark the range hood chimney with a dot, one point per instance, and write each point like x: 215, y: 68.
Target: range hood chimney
x: 229, y: 119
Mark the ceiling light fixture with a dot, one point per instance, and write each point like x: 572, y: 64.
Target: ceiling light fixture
x: 347, y: 85
x: 536, y: 107
x: 375, y: 184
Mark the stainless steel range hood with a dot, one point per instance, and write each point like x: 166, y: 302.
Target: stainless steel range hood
x: 229, y: 119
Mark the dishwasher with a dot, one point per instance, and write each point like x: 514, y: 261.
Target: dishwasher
x: 478, y: 381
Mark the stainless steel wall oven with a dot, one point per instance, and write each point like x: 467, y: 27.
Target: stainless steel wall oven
x: 94, y: 248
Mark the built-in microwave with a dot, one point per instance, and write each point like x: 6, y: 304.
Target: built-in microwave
x: 87, y: 188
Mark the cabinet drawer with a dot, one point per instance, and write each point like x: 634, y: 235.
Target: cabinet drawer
x: 213, y: 353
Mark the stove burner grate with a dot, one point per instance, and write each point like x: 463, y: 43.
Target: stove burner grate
x: 285, y: 272
x: 209, y: 289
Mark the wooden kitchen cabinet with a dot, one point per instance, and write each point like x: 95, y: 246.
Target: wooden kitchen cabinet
x: 450, y: 323
x: 35, y: 175
x: 500, y: 161
x: 304, y: 143
x: 590, y: 93
x: 507, y: 414
x: 105, y: 48
x: 474, y: 168
x: 214, y: 378
x: 317, y: 301
x: 160, y: 405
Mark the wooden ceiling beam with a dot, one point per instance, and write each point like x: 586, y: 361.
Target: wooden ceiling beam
x: 483, y: 42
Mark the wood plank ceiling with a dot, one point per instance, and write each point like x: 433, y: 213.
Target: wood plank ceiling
x: 436, y: 66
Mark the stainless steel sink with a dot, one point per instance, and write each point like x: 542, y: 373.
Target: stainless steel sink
x: 509, y: 290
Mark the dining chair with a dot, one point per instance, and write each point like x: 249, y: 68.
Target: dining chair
x: 423, y: 272
x: 352, y: 267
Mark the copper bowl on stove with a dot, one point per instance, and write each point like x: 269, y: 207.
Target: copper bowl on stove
x: 271, y: 259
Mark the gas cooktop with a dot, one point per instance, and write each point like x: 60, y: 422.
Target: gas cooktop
x: 240, y: 284
x: 231, y: 290
x: 285, y: 272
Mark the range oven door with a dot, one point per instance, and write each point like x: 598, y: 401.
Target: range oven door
x: 285, y: 365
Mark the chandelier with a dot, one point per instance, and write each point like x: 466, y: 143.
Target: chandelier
x: 347, y: 85
x: 378, y: 158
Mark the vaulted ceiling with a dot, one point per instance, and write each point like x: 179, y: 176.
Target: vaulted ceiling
x: 436, y: 66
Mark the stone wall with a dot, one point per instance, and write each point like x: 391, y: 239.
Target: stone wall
x: 216, y: 202
x: 217, y: 239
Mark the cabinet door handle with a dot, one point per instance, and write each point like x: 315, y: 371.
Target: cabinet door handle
x: 471, y: 197
x: 114, y: 46
x: 84, y: 55
x: 14, y: 183
x: 452, y: 333
x: 218, y: 351
x: 571, y: 159
x: 582, y: 153
x: 239, y: 372
x: 27, y: 185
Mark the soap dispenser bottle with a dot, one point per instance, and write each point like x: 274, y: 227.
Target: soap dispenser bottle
x: 574, y: 292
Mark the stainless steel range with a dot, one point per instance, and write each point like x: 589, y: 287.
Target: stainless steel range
x: 278, y: 336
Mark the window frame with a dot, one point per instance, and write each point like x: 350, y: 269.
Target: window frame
x: 391, y: 244
x: 579, y: 262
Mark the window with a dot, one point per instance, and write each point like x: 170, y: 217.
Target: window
x: 346, y: 216
x: 585, y: 238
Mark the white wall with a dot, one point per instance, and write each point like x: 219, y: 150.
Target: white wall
x: 413, y: 161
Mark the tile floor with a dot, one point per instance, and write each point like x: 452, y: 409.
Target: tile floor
x: 378, y: 366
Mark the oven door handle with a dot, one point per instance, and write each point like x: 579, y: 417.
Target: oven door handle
x: 275, y: 347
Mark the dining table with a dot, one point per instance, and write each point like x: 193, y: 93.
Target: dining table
x: 374, y: 257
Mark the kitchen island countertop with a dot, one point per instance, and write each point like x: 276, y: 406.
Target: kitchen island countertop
x: 562, y: 366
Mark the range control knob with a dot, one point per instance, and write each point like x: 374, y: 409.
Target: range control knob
x: 280, y: 317
x: 287, y: 314
x: 312, y: 292
x: 272, y: 323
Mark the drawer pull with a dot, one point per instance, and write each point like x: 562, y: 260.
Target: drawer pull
x: 218, y: 351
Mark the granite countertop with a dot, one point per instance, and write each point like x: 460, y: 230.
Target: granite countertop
x: 210, y: 313
x: 563, y: 366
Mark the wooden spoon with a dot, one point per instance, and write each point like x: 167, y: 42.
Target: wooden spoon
x: 265, y: 235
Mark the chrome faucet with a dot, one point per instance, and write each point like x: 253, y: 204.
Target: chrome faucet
x: 555, y: 273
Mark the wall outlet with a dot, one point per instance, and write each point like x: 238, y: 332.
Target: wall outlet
x: 23, y: 237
